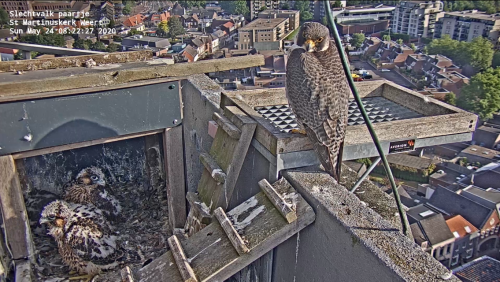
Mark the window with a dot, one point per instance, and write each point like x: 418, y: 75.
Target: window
x: 454, y: 260
x: 469, y: 253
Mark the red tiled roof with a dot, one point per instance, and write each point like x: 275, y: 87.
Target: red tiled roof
x: 228, y: 25
x: 133, y: 21
x: 458, y: 224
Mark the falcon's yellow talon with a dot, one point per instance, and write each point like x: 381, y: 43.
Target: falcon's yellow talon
x: 299, y: 131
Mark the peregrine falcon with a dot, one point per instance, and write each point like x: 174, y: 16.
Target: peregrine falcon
x: 85, y: 239
x: 90, y: 188
x: 318, y: 94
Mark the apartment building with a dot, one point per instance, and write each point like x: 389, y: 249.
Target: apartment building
x: 467, y: 25
x: 257, y: 5
x: 417, y: 18
x: 264, y: 34
x: 16, y: 5
x: 293, y: 16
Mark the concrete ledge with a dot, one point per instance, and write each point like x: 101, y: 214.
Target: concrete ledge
x: 75, y: 61
x: 349, y: 241
x: 10, y: 90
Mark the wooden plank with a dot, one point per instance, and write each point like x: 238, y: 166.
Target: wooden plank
x: 185, y: 269
x: 61, y: 148
x: 229, y: 154
x: 23, y: 271
x: 231, y: 233
x: 113, y: 77
x: 227, y: 126
x: 211, y: 254
x: 281, y: 205
x: 199, y: 214
x: 212, y: 167
x: 176, y: 187
x: 16, y: 225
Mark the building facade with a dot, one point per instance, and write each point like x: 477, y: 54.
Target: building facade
x: 467, y: 25
x: 293, y: 16
x: 263, y: 34
x: 417, y: 18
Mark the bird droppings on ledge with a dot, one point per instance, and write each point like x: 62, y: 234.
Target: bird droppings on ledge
x: 143, y: 224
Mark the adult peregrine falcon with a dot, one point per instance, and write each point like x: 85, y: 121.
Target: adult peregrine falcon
x: 318, y: 93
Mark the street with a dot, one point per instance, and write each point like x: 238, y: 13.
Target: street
x: 377, y: 74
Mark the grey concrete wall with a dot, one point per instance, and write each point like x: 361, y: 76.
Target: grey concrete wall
x: 201, y: 98
x: 348, y: 241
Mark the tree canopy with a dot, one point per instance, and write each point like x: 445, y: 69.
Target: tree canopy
x: 450, y: 98
x: 478, y: 53
x: 357, y: 40
x: 113, y: 47
x: 237, y: 7
x: 303, y: 7
x: 285, y: 6
x: 175, y: 27
x: 489, y: 7
x: 50, y: 39
x: 482, y: 94
x: 4, y: 17
x: 162, y: 28
x: 190, y: 4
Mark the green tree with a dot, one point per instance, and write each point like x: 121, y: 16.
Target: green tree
x: 496, y: 60
x: 162, y: 28
x: 357, y: 40
x: 400, y: 41
x: 336, y: 4
x: 4, y: 17
x: 482, y: 94
x: 285, y: 6
x: 175, y: 27
x: 450, y: 98
x: 49, y: 39
x: 263, y: 8
x: 324, y: 21
x: 479, y: 53
x: 128, y: 8
x: 80, y: 44
x: 191, y: 4
x: 98, y: 46
x: 113, y: 47
x: 111, y: 23
x: 134, y: 32
x: 238, y: 7
x: 386, y: 37
x: 303, y: 7
x: 444, y: 46
x: 413, y: 47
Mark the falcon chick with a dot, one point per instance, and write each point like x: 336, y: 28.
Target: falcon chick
x: 90, y: 188
x: 85, y: 239
x: 318, y: 94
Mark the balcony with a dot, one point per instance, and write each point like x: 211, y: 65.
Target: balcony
x: 134, y: 105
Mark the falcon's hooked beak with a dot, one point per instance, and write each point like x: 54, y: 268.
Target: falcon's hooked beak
x: 309, y: 45
x: 101, y: 182
x: 44, y: 220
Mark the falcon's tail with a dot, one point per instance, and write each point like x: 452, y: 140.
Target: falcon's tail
x: 332, y: 162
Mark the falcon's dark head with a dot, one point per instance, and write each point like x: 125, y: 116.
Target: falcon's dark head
x: 91, y: 175
x: 55, y: 215
x: 313, y: 37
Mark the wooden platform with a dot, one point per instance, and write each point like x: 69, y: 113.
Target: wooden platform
x: 210, y: 253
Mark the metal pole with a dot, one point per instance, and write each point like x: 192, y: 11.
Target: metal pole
x: 333, y: 28
x: 372, y: 166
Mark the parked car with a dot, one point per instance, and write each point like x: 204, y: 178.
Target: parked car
x: 367, y: 76
x: 356, y: 77
x: 385, y: 70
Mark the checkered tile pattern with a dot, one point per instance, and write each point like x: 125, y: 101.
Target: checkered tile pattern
x: 379, y: 109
